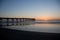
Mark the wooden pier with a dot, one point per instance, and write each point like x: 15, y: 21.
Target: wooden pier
x: 15, y: 20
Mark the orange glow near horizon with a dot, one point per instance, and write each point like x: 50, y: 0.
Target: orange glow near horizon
x: 47, y: 18
x: 44, y: 18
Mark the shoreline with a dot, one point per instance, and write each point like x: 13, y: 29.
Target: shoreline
x: 11, y: 34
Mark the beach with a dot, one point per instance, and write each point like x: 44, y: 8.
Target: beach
x: 11, y: 34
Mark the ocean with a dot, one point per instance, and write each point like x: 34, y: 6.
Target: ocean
x: 37, y: 26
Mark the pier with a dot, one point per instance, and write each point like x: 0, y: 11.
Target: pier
x: 15, y: 20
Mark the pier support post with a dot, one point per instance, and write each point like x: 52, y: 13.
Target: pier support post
x: 7, y: 22
x: 0, y: 21
x: 12, y: 21
x: 16, y: 21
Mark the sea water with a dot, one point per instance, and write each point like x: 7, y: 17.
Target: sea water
x: 37, y: 26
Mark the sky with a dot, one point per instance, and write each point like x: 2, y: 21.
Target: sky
x: 39, y: 9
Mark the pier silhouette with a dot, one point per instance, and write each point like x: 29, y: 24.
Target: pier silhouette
x: 15, y: 21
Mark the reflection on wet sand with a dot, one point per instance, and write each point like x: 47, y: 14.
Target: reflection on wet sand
x: 26, y: 23
x: 33, y: 26
x: 15, y: 24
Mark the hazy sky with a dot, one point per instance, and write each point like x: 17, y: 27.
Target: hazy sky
x: 30, y: 8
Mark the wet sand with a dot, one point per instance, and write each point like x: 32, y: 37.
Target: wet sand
x: 10, y: 34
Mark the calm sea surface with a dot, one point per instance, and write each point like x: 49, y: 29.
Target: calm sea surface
x: 37, y: 27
